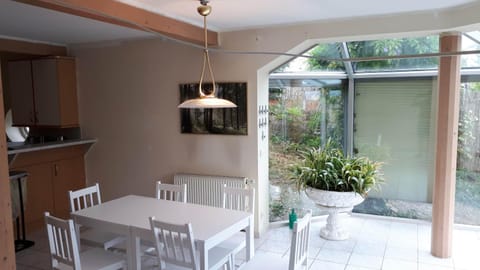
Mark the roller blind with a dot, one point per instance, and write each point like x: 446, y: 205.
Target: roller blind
x: 393, y: 124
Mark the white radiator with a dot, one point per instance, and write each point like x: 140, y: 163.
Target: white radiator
x: 207, y: 189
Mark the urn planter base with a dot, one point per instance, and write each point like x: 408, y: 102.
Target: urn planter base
x: 335, y: 229
x: 334, y: 203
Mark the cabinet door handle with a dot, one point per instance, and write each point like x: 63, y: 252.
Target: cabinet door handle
x: 56, y: 169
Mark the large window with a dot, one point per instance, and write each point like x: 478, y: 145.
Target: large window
x: 467, y: 197
x: 392, y: 119
x: 303, y: 114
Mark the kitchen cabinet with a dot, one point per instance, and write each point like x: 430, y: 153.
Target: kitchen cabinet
x: 68, y: 174
x: 51, y: 174
x: 39, y: 194
x: 43, y: 92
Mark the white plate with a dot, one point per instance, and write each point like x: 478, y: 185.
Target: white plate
x: 14, y: 134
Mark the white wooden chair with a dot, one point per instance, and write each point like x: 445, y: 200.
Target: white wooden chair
x: 64, y: 249
x: 165, y: 192
x: 171, y: 192
x: 298, y: 250
x: 176, y: 248
x: 88, y: 197
x: 300, y: 243
x: 241, y: 199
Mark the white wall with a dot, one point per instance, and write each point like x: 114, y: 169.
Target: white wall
x: 128, y: 93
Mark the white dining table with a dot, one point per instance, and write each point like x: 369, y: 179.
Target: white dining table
x: 129, y: 216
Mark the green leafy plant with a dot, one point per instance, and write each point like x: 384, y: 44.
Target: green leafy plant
x: 327, y: 168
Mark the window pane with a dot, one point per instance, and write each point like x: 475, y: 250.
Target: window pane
x: 393, y: 47
x: 302, y: 64
x: 471, y: 42
x: 299, y: 117
x: 467, y: 193
x: 393, y: 125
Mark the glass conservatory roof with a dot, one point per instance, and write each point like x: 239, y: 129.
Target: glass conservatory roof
x: 470, y: 42
x: 330, y: 59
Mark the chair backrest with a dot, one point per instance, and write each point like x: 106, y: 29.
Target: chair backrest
x: 171, y: 192
x: 63, y: 242
x: 84, y: 198
x: 174, y: 243
x: 300, y: 241
x: 242, y: 199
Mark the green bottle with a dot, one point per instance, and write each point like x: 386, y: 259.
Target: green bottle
x: 292, y: 217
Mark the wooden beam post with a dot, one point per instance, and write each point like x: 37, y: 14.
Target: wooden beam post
x: 7, y: 249
x: 118, y: 13
x: 446, y: 147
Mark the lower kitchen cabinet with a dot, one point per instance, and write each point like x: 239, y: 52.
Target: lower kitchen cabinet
x: 52, y: 173
x: 39, y: 194
x: 68, y: 174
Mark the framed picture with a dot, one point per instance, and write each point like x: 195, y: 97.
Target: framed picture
x: 229, y: 121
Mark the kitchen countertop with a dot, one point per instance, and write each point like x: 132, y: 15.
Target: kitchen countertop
x: 22, y: 148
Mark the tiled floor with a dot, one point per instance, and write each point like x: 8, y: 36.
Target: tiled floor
x: 386, y: 244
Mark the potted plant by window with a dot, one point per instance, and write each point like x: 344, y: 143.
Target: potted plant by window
x: 335, y: 182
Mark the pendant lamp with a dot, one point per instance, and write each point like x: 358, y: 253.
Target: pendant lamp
x: 206, y: 101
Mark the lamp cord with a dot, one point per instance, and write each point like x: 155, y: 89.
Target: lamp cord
x: 206, y: 61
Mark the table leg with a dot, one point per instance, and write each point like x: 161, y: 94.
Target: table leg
x: 133, y: 252
x: 203, y: 256
x: 250, y: 249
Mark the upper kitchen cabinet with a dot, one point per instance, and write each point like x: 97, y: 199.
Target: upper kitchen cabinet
x: 43, y: 92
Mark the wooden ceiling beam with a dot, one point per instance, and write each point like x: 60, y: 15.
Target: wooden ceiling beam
x: 121, y: 14
x: 28, y: 47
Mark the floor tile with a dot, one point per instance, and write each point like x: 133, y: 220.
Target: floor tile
x: 276, y: 246
x: 403, y: 242
x: 257, y: 242
x: 373, y: 262
x: 345, y: 245
x: 392, y: 264
x: 370, y: 249
x: 319, y: 264
x: 422, y: 266
x: 316, y: 240
x: 282, y: 233
x: 426, y: 257
x: 424, y: 244
x: 407, y: 254
x: 34, y: 258
x: 466, y: 261
x: 336, y: 256
x: 266, y: 260
x: 352, y: 267
x: 313, y: 252
x: 24, y: 267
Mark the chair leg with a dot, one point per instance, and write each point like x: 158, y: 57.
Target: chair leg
x: 231, y: 262
x: 77, y: 232
x: 234, y: 265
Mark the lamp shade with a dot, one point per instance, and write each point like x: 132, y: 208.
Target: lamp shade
x: 207, y: 102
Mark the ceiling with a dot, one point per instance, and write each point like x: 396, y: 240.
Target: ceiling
x: 39, y: 24
x: 228, y: 15
x: 23, y: 21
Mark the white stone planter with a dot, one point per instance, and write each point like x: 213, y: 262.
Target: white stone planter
x: 334, y: 203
